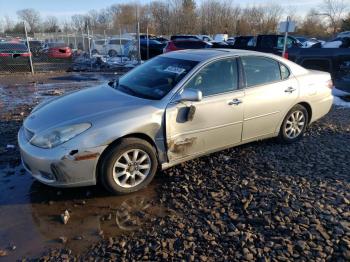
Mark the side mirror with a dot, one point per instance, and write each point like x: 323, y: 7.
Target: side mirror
x: 188, y: 94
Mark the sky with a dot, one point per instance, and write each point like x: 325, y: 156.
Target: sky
x: 63, y: 9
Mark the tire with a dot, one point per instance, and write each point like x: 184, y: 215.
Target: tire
x: 301, y: 119
x: 114, y: 168
x: 112, y: 53
x: 94, y: 52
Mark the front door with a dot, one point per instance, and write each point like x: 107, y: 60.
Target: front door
x: 194, y: 128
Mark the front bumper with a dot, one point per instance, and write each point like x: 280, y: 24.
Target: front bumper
x: 62, y: 166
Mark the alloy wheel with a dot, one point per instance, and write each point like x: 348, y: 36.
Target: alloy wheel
x: 132, y: 168
x: 295, y: 124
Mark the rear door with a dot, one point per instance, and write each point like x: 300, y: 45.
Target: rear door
x: 270, y: 92
x: 217, y: 119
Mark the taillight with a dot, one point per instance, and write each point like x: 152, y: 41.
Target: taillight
x: 4, y: 54
x: 286, y: 56
x: 329, y: 84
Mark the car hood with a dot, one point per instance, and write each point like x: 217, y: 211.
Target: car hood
x: 81, y: 107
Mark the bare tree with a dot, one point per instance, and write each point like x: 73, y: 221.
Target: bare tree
x: 51, y: 24
x: 8, y: 24
x: 334, y: 11
x: 312, y: 25
x: 31, y: 17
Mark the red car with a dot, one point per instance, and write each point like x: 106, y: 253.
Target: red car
x: 58, y: 50
x: 181, y: 44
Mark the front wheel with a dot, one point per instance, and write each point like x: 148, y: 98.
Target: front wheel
x: 294, y: 124
x: 129, y: 166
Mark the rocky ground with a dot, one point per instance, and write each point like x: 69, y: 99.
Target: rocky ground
x: 263, y: 201
x: 259, y: 202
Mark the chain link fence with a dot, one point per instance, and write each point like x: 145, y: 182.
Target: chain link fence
x: 78, y: 51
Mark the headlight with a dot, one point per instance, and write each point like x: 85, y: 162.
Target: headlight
x: 57, y: 136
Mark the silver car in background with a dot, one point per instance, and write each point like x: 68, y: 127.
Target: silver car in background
x: 175, y: 107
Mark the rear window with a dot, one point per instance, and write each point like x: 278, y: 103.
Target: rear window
x: 8, y: 47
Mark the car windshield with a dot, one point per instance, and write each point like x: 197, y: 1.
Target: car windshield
x: 155, y: 78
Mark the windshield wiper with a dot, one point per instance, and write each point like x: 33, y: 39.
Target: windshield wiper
x: 128, y: 89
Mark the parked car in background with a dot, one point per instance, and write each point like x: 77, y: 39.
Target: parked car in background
x: 98, y: 46
x: 268, y: 44
x: 162, y: 39
x: 220, y: 37
x: 173, y: 108
x: 36, y: 47
x: 13, y: 55
x: 119, y: 46
x: 242, y: 42
x: 339, y: 42
x: 58, y: 50
x: 181, y: 44
x: 154, y: 48
x: 335, y: 61
x: 205, y: 38
x: 181, y: 37
x: 306, y: 42
x: 231, y: 40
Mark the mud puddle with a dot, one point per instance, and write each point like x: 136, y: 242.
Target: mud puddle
x: 30, y: 215
x: 15, y: 97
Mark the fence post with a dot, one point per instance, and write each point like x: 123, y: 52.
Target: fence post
x: 147, y: 43
x: 138, y: 44
x: 28, y: 46
x: 82, y: 35
x: 120, y: 45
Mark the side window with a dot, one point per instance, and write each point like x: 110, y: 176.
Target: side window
x: 260, y: 70
x: 280, y: 42
x: 215, y: 78
x: 284, y: 72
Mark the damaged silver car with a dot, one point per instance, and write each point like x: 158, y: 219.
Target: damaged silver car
x: 173, y: 108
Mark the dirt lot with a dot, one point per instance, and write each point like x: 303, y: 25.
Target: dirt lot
x: 262, y: 201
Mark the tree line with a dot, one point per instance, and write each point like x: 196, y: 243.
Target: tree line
x: 188, y: 17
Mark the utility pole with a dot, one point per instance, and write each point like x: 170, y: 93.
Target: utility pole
x: 28, y: 46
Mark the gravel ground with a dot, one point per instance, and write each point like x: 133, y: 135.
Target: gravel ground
x: 258, y: 202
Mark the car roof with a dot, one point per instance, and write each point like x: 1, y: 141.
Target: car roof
x: 205, y: 54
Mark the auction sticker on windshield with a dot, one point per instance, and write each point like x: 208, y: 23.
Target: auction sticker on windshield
x: 175, y: 70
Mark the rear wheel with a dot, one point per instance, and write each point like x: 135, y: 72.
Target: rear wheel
x: 129, y: 166
x: 112, y: 53
x: 294, y: 124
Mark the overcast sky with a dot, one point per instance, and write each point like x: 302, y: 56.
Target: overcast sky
x: 65, y: 8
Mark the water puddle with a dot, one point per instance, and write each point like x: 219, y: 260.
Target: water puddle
x: 15, y: 97
x: 30, y: 214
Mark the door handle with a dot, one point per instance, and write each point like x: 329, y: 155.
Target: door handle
x: 235, y: 102
x: 290, y: 90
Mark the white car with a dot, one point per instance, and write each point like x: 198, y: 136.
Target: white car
x: 220, y: 37
x: 119, y: 46
x: 98, y: 46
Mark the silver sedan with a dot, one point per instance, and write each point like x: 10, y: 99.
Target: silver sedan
x: 175, y: 107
